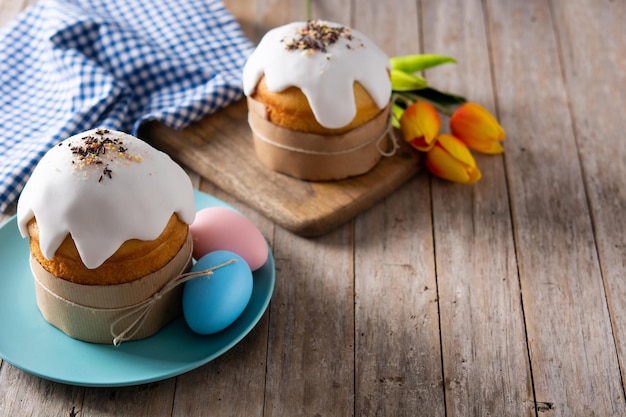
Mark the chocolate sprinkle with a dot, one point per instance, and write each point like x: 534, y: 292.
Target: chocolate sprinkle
x: 318, y: 36
x: 93, y: 149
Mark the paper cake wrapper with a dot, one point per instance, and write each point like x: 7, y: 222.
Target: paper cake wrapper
x: 316, y: 157
x: 87, y: 312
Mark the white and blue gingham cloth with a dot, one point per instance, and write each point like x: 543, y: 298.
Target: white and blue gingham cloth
x: 70, y: 65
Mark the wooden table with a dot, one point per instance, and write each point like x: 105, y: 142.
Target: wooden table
x: 504, y: 298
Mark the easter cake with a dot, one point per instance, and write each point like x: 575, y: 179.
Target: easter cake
x: 108, y: 220
x: 318, y: 98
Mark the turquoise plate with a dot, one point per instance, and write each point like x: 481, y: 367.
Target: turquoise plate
x: 28, y: 342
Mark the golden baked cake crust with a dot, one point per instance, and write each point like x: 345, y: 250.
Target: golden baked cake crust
x: 133, y: 260
x: 290, y: 109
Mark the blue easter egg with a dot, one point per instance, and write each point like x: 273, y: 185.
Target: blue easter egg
x: 214, y: 301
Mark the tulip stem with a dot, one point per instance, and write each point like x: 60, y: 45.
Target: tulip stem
x: 307, y: 5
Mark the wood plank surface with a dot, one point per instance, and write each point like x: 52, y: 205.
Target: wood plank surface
x: 572, y: 349
x: 595, y: 82
x: 485, y: 360
x: 503, y: 298
x: 397, y: 345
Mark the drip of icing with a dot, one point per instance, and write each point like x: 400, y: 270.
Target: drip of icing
x: 103, y: 191
x: 326, y: 77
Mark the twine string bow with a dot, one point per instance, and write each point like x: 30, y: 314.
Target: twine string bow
x: 142, y: 310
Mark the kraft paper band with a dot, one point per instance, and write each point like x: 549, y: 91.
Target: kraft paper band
x: 318, y: 157
x: 87, y: 312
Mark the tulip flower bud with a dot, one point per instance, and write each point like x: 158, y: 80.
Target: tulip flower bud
x: 450, y: 159
x: 475, y: 126
x: 420, y: 125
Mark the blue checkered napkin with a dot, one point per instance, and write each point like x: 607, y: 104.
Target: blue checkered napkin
x: 68, y: 66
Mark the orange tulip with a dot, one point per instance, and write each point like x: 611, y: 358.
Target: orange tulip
x: 475, y: 126
x: 420, y: 124
x: 450, y: 159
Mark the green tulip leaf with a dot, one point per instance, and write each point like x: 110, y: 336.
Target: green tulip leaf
x: 401, y: 81
x: 441, y: 98
x: 443, y: 101
x: 418, y: 62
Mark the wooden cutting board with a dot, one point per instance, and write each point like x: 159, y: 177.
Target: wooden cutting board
x: 220, y: 149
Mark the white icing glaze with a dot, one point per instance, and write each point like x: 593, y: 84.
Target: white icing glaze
x: 326, y: 78
x: 130, y: 193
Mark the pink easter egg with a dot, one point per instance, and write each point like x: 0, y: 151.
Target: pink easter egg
x: 220, y: 228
